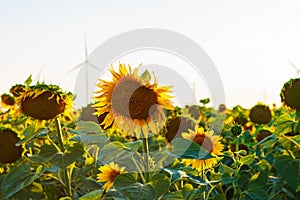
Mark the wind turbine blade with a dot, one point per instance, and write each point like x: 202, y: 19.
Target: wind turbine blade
x: 73, y: 69
x: 293, y: 65
x: 85, y: 47
x: 39, y: 74
x: 94, y: 66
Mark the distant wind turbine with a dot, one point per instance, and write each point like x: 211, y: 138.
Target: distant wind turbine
x: 264, y: 95
x: 86, y: 64
x: 38, y: 76
x: 295, y: 67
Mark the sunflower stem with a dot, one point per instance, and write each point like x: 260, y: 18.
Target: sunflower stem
x: 139, y: 169
x: 62, y: 148
x: 146, y: 157
x: 235, y: 187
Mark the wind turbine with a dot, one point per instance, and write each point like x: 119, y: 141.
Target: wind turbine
x: 86, y: 64
x: 295, y: 67
x: 264, y: 95
x: 38, y: 76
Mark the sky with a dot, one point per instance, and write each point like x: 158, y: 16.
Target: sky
x: 250, y: 42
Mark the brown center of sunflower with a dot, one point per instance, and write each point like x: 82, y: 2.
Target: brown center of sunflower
x: 205, y: 142
x: 43, y: 107
x: 113, y: 175
x: 133, y: 100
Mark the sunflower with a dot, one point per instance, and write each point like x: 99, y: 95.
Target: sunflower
x: 262, y: 134
x: 7, y: 100
x: 290, y: 94
x: 9, y: 152
x: 177, y: 125
x: 260, y: 114
x: 44, y: 102
x: 108, y: 173
x: 207, y: 140
x: 86, y: 114
x: 131, y: 103
x: 17, y: 90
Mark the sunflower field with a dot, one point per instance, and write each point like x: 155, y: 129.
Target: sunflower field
x: 132, y: 143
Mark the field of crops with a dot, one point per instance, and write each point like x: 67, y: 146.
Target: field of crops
x: 132, y: 142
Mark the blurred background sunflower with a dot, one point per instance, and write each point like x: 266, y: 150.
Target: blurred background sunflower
x: 131, y: 102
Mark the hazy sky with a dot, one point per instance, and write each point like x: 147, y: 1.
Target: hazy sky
x: 248, y: 41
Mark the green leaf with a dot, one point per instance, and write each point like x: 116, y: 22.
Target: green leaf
x: 94, y: 195
x: 172, y: 196
x: 227, y: 179
x: 289, y: 169
x: 256, y: 192
x: 284, y: 124
x: 190, y: 193
x: 247, y: 160
x: 89, y: 133
x: 87, y: 127
x: 113, y: 150
x: 160, y: 183
x: 134, y: 146
x: 177, y: 175
x: 259, y: 178
x: 88, y: 139
x: 131, y: 188
x: 205, y: 101
x: 19, y: 178
x: 65, y: 159
x: 183, y: 148
x: 224, y: 169
x: 28, y: 80
x: 30, y: 134
x: 146, y: 76
x: 128, y: 186
x: 47, y: 152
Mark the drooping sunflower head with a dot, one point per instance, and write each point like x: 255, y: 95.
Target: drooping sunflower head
x: 9, y: 152
x: 131, y: 103
x: 194, y: 111
x: 44, y: 102
x: 7, y: 100
x: 290, y: 94
x: 262, y: 134
x: 87, y: 114
x: 108, y: 174
x: 208, y: 141
x: 17, y: 90
x: 260, y: 114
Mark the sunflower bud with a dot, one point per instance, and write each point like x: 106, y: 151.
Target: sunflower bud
x: 236, y: 130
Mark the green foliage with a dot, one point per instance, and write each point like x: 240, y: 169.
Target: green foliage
x: 183, y: 148
x: 132, y: 189
x: 19, y: 178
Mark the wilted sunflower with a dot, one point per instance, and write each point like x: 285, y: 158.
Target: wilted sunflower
x: 207, y: 140
x: 44, y: 102
x: 7, y: 100
x: 9, y: 152
x: 108, y: 173
x: 131, y: 102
